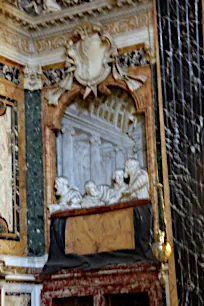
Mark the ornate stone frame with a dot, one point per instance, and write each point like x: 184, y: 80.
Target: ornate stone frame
x: 52, y: 116
x: 17, y: 247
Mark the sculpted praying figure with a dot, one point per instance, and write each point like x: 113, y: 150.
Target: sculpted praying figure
x: 69, y: 196
x: 138, y: 186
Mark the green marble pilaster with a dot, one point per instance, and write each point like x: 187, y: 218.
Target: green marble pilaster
x: 34, y: 173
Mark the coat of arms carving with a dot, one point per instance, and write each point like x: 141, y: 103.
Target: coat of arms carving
x: 90, y: 60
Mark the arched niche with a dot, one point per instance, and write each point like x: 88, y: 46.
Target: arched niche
x: 97, y: 136
x: 54, y: 124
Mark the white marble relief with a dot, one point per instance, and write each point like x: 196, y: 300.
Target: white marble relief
x: 6, y: 201
x: 69, y: 196
x: 101, y: 149
x: 138, y: 186
x: 103, y: 195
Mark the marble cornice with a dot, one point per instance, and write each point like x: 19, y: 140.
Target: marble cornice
x: 37, y: 24
x: 47, y: 44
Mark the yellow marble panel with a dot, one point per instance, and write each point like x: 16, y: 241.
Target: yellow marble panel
x: 96, y: 233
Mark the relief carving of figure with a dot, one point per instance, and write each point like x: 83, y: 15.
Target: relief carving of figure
x: 119, y: 186
x: 138, y: 180
x: 96, y: 195
x: 93, y: 195
x: 69, y: 196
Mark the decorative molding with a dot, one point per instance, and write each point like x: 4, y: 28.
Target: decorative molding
x: 25, y: 262
x: 114, y: 28
x: 128, y: 26
x: 33, y: 77
x: 57, y: 15
x: 36, y: 7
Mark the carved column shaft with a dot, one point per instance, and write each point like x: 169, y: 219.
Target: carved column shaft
x: 95, y: 157
x: 119, y: 159
x: 68, y: 156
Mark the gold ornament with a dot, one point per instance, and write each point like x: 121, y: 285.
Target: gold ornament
x: 161, y: 249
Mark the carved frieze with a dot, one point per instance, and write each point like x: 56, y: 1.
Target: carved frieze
x: 25, y: 13
x: 140, y: 19
x: 38, y: 7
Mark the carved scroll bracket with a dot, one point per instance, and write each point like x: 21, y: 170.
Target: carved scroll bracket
x: 90, y: 61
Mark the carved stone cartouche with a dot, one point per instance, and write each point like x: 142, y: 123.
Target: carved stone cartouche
x: 89, y: 62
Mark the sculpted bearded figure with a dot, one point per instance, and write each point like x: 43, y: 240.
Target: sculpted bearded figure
x: 119, y: 186
x: 138, y: 186
x: 69, y: 196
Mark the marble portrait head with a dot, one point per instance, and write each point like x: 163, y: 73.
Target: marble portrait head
x: 91, y: 189
x: 118, y: 178
x: 131, y: 166
x: 61, y: 186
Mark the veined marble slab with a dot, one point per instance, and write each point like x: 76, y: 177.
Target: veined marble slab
x: 6, y: 201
